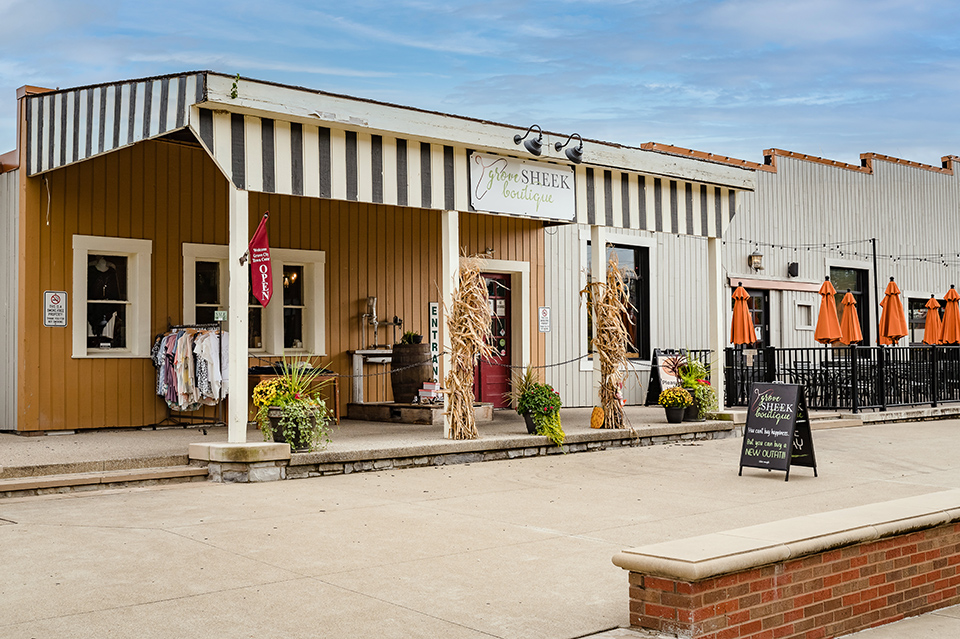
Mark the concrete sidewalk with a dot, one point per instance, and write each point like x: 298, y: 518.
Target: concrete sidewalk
x: 514, y: 549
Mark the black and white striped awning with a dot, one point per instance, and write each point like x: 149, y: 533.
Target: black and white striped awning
x: 72, y: 125
x: 280, y: 155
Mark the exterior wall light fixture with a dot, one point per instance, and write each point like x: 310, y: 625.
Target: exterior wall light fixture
x: 535, y: 146
x: 574, y: 153
x: 755, y: 260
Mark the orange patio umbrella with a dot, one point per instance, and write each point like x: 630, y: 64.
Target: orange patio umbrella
x: 950, y: 332
x: 893, y: 323
x: 932, y: 327
x: 828, y: 326
x: 850, y: 327
x: 742, y: 331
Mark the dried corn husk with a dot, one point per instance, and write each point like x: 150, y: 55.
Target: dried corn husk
x: 468, y: 324
x: 610, y: 339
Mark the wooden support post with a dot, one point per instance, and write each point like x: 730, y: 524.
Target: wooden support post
x: 237, y: 313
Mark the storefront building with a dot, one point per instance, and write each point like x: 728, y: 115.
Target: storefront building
x: 810, y: 218
x: 127, y: 206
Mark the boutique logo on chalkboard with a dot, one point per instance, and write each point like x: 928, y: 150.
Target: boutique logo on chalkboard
x: 769, y: 404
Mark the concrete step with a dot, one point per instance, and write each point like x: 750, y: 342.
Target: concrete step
x: 72, y: 468
x: 46, y: 484
x: 845, y: 422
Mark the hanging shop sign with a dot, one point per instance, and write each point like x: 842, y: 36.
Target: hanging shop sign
x: 777, y: 433
x: 261, y: 277
x: 531, y: 189
x: 54, y: 308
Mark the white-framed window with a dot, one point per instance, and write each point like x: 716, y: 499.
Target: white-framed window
x: 293, y: 321
x: 111, y: 293
x: 637, y: 256
x: 804, y: 316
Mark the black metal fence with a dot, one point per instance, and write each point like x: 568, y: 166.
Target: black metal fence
x: 851, y: 378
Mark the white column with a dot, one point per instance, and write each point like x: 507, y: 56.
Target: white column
x: 237, y: 313
x: 449, y: 279
x: 598, y: 273
x: 716, y: 300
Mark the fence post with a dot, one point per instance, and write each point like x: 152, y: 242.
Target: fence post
x: 882, y: 376
x: 728, y: 386
x: 934, y: 375
x: 854, y: 379
x: 770, y: 355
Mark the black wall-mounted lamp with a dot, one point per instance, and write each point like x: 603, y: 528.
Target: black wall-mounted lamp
x: 755, y: 260
x: 534, y: 145
x: 574, y: 153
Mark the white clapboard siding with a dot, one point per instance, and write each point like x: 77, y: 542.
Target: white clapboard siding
x: 678, y: 292
x: 9, y: 252
x: 910, y: 210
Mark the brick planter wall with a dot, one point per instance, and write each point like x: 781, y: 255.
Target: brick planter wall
x: 822, y: 595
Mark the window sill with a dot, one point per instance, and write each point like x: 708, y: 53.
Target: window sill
x: 111, y: 353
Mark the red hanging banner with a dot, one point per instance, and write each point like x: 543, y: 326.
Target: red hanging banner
x: 261, y: 278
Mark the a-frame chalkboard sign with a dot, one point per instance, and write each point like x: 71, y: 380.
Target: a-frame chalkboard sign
x: 777, y: 433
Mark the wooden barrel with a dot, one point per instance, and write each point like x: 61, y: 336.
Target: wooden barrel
x: 410, y: 367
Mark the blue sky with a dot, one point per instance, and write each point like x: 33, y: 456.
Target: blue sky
x: 833, y: 78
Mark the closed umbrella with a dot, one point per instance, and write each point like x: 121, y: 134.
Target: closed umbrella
x: 950, y: 333
x: 850, y: 327
x: 828, y: 326
x: 932, y: 327
x: 893, y: 323
x: 742, y: 332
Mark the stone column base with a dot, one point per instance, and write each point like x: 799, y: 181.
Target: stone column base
x: 242, y: 463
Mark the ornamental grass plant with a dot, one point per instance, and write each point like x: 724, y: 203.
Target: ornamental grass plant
x: 693, y: 376
x: 293, y: 396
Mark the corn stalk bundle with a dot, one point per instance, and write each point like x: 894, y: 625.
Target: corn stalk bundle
x: 468, y: 324
x: 610, y: 339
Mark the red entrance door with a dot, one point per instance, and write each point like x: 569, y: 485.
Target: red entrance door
x: 492, y: 376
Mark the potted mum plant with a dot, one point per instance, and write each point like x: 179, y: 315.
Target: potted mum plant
x: 675, y: 401
x: 539, y: 404
x: 289, y: 409
x: 693, y: 377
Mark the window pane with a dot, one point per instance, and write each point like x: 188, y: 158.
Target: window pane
x: 293, y: 286
x: 208, y: 283
x: 293, y: 328
x: 632, y: 262
x: 107, y: 277
x: 255, y: 330
x: 251, y: 300
x: 106, y: 325
x: 205, y: 314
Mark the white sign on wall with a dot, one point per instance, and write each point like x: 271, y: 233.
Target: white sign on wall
x: 543, y: 317
x: 433, y: 339
x: 531, y: 189
x: 54, y: 308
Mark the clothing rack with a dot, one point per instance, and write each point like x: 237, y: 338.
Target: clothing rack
x: 180, y: 419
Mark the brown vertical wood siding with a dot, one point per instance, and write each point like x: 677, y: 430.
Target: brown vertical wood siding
x: 171, y: 194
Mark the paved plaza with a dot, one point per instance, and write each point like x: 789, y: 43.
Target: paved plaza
x: 514, y: 549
